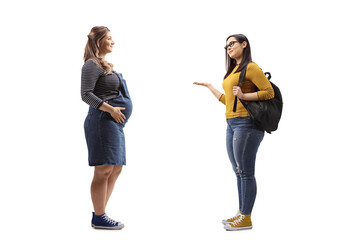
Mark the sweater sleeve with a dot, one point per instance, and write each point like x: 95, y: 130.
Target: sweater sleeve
x: 90, y: 74
x: 257, y: 76
x: 222, y: 99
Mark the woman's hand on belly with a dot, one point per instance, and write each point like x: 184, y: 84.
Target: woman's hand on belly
x: 117, y: 115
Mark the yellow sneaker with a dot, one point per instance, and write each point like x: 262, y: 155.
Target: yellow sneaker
x: 243, y: 222
x: 230, y: 220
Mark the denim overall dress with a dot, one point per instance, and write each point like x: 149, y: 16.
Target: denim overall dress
x: 104, y: 137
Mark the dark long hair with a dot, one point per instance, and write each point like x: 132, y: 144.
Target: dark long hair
x: 246, y: 57
x: 93, y: 46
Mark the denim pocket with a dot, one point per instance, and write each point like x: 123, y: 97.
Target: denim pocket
x: 105, y: 116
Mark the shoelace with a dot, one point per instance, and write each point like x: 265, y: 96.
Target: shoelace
x: 234, y: 218
x: 239, y: 220
x: 109, y: 220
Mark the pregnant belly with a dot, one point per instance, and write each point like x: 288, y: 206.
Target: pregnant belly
x: 123, y: 102
x: 128, y: 108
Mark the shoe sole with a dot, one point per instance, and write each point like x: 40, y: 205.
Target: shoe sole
x: 237, y: 228
x: 108, y: 228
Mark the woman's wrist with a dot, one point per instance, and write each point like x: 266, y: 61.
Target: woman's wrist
x: 249, y: 96
x: 241, y: 96
x: 107, y: 108
x: 111, y: 109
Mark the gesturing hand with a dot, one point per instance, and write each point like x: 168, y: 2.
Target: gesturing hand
x: 202, y: 84
x: 117, y: 115
x: 237, y: 92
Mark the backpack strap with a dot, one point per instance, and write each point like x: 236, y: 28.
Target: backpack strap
x: 241, y: 78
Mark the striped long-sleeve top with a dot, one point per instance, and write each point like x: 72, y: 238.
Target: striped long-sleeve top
x: 96, y: 87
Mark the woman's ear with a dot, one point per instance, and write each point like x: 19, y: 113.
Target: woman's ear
x: 244, y: 44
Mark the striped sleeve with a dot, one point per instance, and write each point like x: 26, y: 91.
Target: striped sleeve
x: 90, y: 74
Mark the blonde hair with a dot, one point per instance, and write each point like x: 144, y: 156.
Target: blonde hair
x: 93, y: 45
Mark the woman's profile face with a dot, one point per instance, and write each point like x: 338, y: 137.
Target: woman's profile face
x: 107, y: 44
x: 234, y: 48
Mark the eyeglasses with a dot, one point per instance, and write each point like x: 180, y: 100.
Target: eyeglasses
x: 231, y: 44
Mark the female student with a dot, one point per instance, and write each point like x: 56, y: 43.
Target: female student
x: 243, y: 137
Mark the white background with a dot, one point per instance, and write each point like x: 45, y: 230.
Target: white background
x: 178, y: 182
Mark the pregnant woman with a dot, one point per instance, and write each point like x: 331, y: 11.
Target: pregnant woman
x: 243, y: 137
x: 110, y: 106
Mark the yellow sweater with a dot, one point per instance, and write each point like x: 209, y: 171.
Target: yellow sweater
x: 254, y: 79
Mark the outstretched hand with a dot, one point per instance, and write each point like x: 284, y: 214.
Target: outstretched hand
x: 202, y: 84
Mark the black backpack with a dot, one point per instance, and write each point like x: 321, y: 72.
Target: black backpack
x: 265, y: 113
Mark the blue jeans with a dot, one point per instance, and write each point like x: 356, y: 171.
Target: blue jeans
x: 242, y: 142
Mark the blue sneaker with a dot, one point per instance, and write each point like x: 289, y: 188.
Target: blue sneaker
x: 104, y: 222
